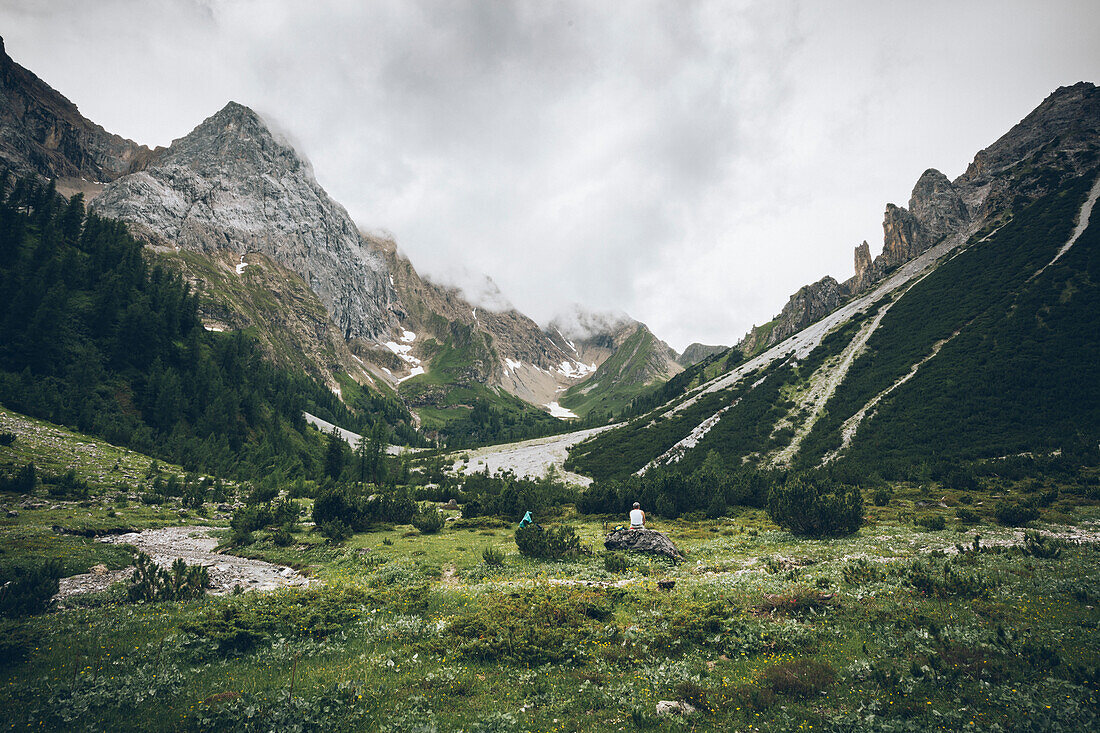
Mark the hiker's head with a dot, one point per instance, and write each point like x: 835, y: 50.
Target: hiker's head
x: 637, y: 505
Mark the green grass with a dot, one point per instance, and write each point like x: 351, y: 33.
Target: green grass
x: 415, y: 632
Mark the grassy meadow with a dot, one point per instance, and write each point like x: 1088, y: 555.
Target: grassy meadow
x: 910, y: 624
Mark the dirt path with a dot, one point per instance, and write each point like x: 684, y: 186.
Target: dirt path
x: 196, y: 547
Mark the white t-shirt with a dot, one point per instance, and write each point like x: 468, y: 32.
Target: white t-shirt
x: 637, y: 518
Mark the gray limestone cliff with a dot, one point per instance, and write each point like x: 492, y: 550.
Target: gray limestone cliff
x: 231, y: 184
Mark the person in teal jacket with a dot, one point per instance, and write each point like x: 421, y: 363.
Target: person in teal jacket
x: 527, y: 519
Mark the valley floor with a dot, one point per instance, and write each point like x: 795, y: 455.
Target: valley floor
x: 898, y: 627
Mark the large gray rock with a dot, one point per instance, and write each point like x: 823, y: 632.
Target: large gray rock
x: 642, y: 540
x: 232, y: 184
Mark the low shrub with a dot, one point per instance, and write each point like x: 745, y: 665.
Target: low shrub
x: 947, y: 582
x: 555, y: 543
x: 753, y: 697
x: 16, y: 642
x: 1041, y: 546
x: 615, y: 563
x: 238, y: 624
x: 932, y: 522
x: 29, y: 588
x: 693, y: 694
x: 428, y: 519
x: 358, y: 510
x: 336, y: 530
x: 7, y: 438
x: 967, y: 516
x: 812, y: 506
x: 282, y: 538
x: 150, y: 582
x: 22, y: 481
x: 1012, y: 514
x: 860, y: 571
x: 261, y: 494
x: 799, y: 678
x: 800, y: 599
x: 882, y: 496
x: 66, y: 485
x: 492, y: 556
x: 536, y: 626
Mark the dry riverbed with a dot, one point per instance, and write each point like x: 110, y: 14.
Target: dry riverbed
x: 196, y: 546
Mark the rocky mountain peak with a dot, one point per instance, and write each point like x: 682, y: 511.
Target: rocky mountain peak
x: 234, y: 184
x: 238, y: 134
x: 937, y: 204
x: 1068, y: 117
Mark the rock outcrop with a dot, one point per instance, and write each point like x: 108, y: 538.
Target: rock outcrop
x: 643, y: 540
x: 937, y: 205
x: 811, y: 303
x: 696, y: 352
x: 231, y: 184
x: 42, y: 132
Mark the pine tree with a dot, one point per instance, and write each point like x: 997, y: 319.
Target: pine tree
x: 334, y: 455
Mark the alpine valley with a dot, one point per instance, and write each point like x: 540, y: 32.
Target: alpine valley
x: 879, y: 511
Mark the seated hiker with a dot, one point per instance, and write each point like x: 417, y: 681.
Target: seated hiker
x: 527, y: 519
x: 637, y: 517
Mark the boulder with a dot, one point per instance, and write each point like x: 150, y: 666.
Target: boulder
x: 668, y: 708
x: 642, y: 540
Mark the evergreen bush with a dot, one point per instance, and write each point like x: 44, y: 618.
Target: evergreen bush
x: 1011, y: 514
x: 811, y: 506
x: 150, y: 582
x: 428, y: 519
x: 555, y: 543
x: 28, y: 589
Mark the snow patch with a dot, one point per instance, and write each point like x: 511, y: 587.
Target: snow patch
x: 408, y: 336
x: 560, y: 412
x: 402, y: 351
x: 416, y: 371
x: 215, y: 329
x: 575, y: 369
x: 242, y: 265
x: 512, y: 365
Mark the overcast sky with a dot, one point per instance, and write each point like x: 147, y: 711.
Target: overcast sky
x: 689, y: 163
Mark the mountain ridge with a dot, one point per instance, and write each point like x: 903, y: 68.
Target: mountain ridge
x: 785, y: 403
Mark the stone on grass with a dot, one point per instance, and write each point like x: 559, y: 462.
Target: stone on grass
x: 666, y: 708
x: 642, y: 540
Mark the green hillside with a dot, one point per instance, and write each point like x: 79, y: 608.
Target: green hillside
x: 453, y: 401
x: 98, y: 335
x: 627, y: 373
x: 1018, y: 371
x: 1022, y: 373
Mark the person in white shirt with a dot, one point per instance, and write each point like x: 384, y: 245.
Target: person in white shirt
x: 637, y: 517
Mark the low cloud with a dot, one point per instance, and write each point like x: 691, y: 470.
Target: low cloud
x: 688, y: 163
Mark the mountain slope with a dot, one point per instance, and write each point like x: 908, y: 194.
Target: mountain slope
x: 637, y: 361
x: 916, y: 343
x: 230, y: 184
x: 42, y: 132
x: 237, y: 211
